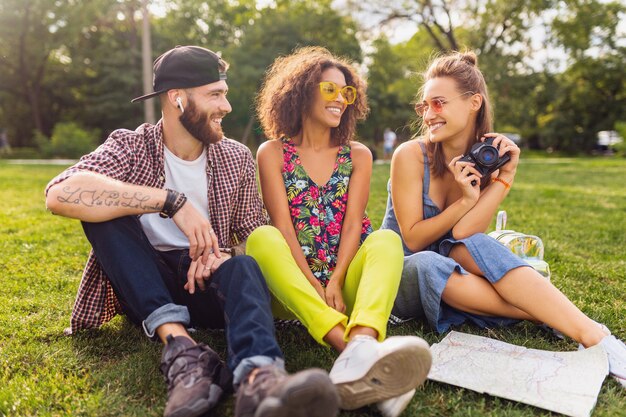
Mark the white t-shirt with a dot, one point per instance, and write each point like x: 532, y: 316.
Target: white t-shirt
x: 188, y: 177
x: 390, y: 139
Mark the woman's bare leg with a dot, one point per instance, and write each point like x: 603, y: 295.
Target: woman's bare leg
x: 335, y: 338
x: 530, y: 292
x: 474, y: 294
x: 362, y: 330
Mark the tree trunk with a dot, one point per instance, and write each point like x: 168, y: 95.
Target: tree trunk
x: 31, y: 87
x: 247, y: 130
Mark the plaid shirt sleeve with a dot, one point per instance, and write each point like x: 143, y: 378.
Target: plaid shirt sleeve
x: 113, y: 159
x: 249, y: 213
x: 116, y: 158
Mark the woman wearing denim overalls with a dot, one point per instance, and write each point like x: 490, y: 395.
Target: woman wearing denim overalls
x: 442, y: 205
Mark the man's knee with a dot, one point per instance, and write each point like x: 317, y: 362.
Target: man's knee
x: 244, y: 262
x: 120, y: 227
x: 242, y: 270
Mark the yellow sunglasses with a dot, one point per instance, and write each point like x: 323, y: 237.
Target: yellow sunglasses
x: 330, y: 91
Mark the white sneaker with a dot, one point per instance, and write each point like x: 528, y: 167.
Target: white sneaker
x: 600, y: 325
x: 367, y: 371
x: 393, y: 407
x: 616, y: 352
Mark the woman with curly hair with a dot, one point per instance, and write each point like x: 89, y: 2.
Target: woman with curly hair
x: 441, y: 203
x: 322, y: 262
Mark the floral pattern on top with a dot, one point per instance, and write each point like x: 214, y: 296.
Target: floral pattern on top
x: 317, y: 212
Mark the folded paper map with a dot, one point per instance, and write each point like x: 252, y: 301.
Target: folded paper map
x: 563, y: 382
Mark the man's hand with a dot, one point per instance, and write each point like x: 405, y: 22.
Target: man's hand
x: 333, y: 296
x: 202, y: 238
x: 200, y: 272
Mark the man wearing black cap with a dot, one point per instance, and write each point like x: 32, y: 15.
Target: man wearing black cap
x: 167, y: 209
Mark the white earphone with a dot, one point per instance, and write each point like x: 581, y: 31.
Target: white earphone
x: 180, y: 104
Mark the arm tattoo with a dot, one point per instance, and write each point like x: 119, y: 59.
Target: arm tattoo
x: 97, y: 198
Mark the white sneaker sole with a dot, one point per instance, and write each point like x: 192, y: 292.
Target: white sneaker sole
x: 392, y: 375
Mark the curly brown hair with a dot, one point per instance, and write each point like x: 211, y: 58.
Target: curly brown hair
x: 289, y: 85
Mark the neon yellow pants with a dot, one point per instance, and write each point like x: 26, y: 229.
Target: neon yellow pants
x: 369, y: 289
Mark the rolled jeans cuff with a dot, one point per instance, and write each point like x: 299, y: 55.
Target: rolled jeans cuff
x: 169, y: 313
x: 248, y: 364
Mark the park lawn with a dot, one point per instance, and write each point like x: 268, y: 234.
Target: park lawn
x: 577, y: 206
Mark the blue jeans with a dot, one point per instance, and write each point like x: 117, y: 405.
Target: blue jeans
x: 149, y: 285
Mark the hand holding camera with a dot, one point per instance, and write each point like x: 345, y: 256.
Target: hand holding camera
x: 485, y: 157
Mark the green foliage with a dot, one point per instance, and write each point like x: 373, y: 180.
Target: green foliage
x: 392, y: 88
x: 81, y: 60
x: 575, y: 205
x: 39, y: 73
x: 620, y: 127
x: 214, y: 24
x: 562, y: 110
x: 582, y: 25
x: 68, y: 140
x: 590, y: 96
x: 620, y: 148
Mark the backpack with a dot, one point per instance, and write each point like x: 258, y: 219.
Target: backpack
x: 528, y: 247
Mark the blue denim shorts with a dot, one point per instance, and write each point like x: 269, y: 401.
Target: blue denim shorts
x: 425, y: 275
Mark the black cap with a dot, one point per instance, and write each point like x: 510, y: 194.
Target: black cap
x: 185, y: 67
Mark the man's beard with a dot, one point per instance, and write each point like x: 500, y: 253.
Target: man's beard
x: 199, y: 126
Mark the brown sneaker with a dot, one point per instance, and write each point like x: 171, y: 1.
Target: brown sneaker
x: 270, y: 392
x: 195, y: 375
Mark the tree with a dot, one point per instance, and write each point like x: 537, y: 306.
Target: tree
x: 106, y: 60
x: 42, y: 69
x: 72, y: 60
x: 496, y: 30
x: 484, y: 25
x: 393, y: 79
x: 214, y: 24
x: 433, y: 17
x: 591, y: 97
x: 501, y: 34
x: 588, y: 27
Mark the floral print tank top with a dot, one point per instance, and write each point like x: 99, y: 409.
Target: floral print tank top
x: 317, y: 212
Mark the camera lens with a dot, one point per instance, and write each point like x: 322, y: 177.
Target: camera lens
x: 487, y: 155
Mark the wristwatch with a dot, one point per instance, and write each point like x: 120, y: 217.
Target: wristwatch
x: 229, y: 251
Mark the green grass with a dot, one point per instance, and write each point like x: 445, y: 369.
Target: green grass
x: 577, y: 206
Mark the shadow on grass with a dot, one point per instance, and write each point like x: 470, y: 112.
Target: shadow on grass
x: 120, y: 365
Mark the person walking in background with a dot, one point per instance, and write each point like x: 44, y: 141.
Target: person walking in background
x: 389, y: 142
x: 5, y: 146
x: 441, y: 203
x: 167, y: 209
x: 322, y: 263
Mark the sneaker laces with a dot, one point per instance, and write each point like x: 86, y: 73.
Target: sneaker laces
x: 255, y: 387
x: 188, y: 364
x: 266, y: 378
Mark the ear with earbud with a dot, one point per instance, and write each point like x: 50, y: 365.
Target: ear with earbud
x: 179, y: 101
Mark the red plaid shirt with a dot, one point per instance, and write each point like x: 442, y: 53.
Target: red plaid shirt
x: 136, y: 157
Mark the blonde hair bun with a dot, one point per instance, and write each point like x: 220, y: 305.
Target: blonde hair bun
x: 469, y: 58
